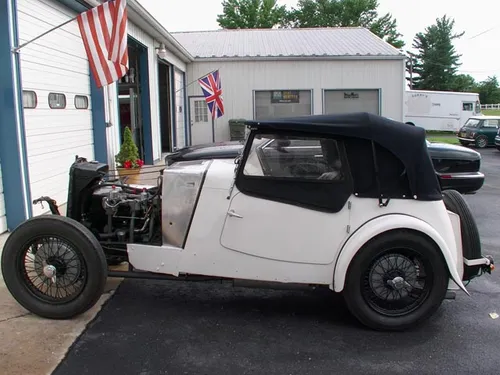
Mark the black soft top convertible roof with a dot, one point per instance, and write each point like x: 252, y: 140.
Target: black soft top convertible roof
x: 407, y: 143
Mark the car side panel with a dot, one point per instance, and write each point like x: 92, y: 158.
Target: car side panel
x: 431, y: 218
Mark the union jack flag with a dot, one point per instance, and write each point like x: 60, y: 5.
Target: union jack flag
x: 211, y: 87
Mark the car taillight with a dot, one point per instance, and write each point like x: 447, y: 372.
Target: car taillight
x: 446, y: 176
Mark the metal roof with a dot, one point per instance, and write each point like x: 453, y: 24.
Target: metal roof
x: 332, y: 42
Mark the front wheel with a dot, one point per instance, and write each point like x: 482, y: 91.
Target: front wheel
x: 54, y: 267
x: 396, y: 281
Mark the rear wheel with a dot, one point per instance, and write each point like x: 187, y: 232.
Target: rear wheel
x: 54, y: 267
x: 396, y: 281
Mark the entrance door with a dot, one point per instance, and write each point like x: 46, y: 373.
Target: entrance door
x: 201, y: 122
x: 165, y: 113
x: 130, y: 117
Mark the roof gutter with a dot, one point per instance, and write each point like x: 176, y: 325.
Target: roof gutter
x: 139, y: 15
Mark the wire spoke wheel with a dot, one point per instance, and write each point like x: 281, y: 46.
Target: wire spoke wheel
x: 396, y: 283
x: 54, y: 266
x: 53, y: 269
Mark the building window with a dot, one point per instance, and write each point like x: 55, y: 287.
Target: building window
x: 81, y: 102
x: 282, y: 103
x: 29, y: 99
x: 200, y: 111
x: 57, y: 101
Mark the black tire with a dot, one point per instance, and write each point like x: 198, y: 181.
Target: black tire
x: 85, y: 251
x: 481, y: 141
x: 471, y: 242
x: 359, y: 286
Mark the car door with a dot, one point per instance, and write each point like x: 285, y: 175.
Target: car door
x: 284, y: 216
x: 490, y: 129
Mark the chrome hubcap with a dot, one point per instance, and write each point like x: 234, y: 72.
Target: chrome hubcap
x: 397, y: 283
x: 49, y: 271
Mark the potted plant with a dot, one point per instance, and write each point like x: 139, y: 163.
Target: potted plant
x: 128, y: 161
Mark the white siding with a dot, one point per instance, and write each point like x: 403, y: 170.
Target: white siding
x: 3, y: 218
x: 180, y: 107
x: 240, y: 78
x: 55, y: 63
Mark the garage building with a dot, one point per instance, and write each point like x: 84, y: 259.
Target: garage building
x: 287, y: 72
x: 52, y: 110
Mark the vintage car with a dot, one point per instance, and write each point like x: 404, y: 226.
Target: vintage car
x: 479, y: 131
x: 457, y: 167
x: 361, y: 213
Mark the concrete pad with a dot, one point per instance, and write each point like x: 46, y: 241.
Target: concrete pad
x: 33, y: 345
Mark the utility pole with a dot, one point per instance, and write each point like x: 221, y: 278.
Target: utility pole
x: 411, y: 68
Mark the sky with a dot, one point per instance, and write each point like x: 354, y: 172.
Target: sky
x: 480, y: 20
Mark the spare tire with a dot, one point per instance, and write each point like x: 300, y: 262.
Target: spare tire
x: 471, y: 243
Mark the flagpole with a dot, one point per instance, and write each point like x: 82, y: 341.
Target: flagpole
x: 213, y: 127
x: 16, y: 49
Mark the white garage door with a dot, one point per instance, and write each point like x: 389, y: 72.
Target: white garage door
x: 282, y: 103
x: 3, y: 218
x: 346, y: 101
x: 56, y: 97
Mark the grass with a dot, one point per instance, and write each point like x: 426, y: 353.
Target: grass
x: 450, y: 139
x: 491, y: 112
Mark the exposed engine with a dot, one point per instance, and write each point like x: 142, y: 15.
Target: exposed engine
x: 116, y: 213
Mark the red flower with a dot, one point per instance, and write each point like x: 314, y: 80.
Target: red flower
x: 140, y: 163
x: 127, y: 164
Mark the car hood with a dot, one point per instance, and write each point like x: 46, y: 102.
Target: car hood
x: 218, y: 150
x: 447, y: 151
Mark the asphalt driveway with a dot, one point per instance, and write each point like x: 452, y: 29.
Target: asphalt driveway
x: 151, y: 327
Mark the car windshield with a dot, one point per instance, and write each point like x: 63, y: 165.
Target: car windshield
x: 472, y: 123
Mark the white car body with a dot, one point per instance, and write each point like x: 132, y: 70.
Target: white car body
x: 273, y: 241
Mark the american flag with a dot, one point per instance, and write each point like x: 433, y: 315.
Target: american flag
x: 104, y: 33
x: 211, y: 87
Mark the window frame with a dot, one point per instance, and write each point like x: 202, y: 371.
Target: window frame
x: 36, y: 99
x: 327, y: 195
x: 57, y: 93
x: 81, y: 96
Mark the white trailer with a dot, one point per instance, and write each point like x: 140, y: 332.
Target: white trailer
x: 440, y: 110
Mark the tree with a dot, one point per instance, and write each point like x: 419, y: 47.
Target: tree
x: 489, y: 91
x: 346, y: 13
x: 251, y: 14
x: 464, y: 83
x: 435, y: 62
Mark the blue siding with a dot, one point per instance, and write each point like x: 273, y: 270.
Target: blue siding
x: 98, y: 122
x: 187, y: 127
x: 146, y: 106
x: 12, y: 155
x: 174, y: 106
